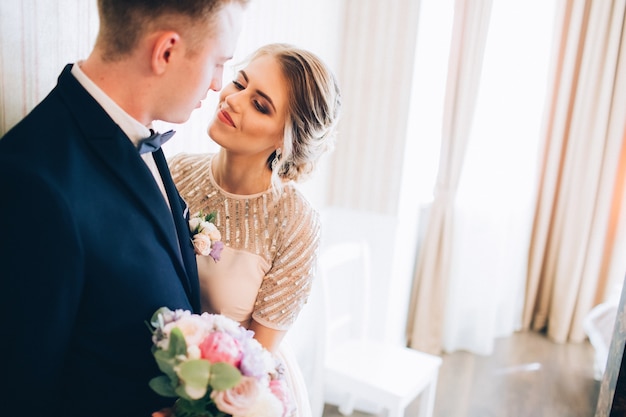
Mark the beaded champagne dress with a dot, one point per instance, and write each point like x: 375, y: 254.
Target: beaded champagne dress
x: 267, y: 265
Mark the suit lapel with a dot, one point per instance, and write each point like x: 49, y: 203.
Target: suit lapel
x: 180, y: 212
x: 116, y: 152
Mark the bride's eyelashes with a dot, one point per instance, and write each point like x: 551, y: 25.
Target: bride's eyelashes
x: 260, y: 107
x: 257, y: 104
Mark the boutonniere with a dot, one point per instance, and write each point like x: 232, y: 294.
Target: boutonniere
x: 207, y: 240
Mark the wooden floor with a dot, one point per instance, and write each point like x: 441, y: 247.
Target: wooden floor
x: 526, y: 376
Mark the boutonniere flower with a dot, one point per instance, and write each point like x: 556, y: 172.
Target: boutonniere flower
x: 207, y: 240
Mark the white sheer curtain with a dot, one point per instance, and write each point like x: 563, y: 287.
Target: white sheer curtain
x: 471, y: 20
x: 469, y: 286
x: 494, y: 206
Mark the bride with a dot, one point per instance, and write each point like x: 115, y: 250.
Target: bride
x: 272, y: 123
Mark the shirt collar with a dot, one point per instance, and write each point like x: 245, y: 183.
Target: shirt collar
x: 129, y: 125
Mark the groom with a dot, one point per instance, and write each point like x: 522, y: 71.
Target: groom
x: 93, y: 233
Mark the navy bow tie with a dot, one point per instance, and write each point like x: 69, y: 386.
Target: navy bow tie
x: 154, y: 142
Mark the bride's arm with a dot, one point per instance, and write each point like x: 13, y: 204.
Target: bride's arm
x: 269, y: 338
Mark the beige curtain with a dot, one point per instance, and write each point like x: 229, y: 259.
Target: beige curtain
x: 426, y: 318
x: 37, y: 38
x: 580, y: 195
x: 375, y: 75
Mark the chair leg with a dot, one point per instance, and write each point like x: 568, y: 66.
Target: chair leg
x: 346, y: 408
x: 427, y: 398
x: 396, y: 411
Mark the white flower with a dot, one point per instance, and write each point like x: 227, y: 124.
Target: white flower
x: 194, y: 223
x: 226, y: 324
x: 193, y: 328
x: 209, y: 229
x: 193, y: 352
x: 202, y: 244
x: 267, y: 405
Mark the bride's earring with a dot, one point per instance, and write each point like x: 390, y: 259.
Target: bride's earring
x: 277, y: 154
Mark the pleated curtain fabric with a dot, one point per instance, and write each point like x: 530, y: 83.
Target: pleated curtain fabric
x: 426, y: 316
x: 376, y: 71
x: 572, y: 260
x: 37, y: 38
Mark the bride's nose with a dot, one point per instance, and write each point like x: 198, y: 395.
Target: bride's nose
x: 233, y: 100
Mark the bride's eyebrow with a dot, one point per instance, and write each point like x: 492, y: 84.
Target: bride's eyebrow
x: 259, y: 92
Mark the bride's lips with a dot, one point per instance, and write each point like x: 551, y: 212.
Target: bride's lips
x: 224, y: 117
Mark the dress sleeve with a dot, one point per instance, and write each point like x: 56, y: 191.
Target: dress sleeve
x: 287, y: 285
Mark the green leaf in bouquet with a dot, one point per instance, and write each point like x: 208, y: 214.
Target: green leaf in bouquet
x: 167, y: 363
x: 224, y: 376
x: 168, y: 360
x: 178, y: 345
x: 211, y: 217
x: 194, y: 376
x: 162, y: 385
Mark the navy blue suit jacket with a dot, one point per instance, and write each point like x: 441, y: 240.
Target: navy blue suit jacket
x: 88, y: 251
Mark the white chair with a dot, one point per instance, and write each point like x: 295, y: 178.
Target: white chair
x: 360, y: 370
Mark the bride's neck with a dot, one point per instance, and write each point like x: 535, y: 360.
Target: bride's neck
x: 239, y: 175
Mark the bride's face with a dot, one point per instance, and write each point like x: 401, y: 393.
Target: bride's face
x: 251, y: 114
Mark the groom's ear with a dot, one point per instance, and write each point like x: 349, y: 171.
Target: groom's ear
x: 165, y: 47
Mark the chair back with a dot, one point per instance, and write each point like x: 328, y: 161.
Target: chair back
x: 345, y: 273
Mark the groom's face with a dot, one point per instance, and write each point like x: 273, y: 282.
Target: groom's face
x: 196, y: 73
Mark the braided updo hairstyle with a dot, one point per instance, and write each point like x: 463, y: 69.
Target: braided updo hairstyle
x: 314, y: 102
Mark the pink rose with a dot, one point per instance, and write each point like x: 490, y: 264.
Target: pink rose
x: 221, y: 347
x: 238, y: 400
x: 279, y: 388
x: 202, y: 244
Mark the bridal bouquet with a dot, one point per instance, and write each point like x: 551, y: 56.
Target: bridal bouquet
x: 205, y: 236
x: 214, y: 367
